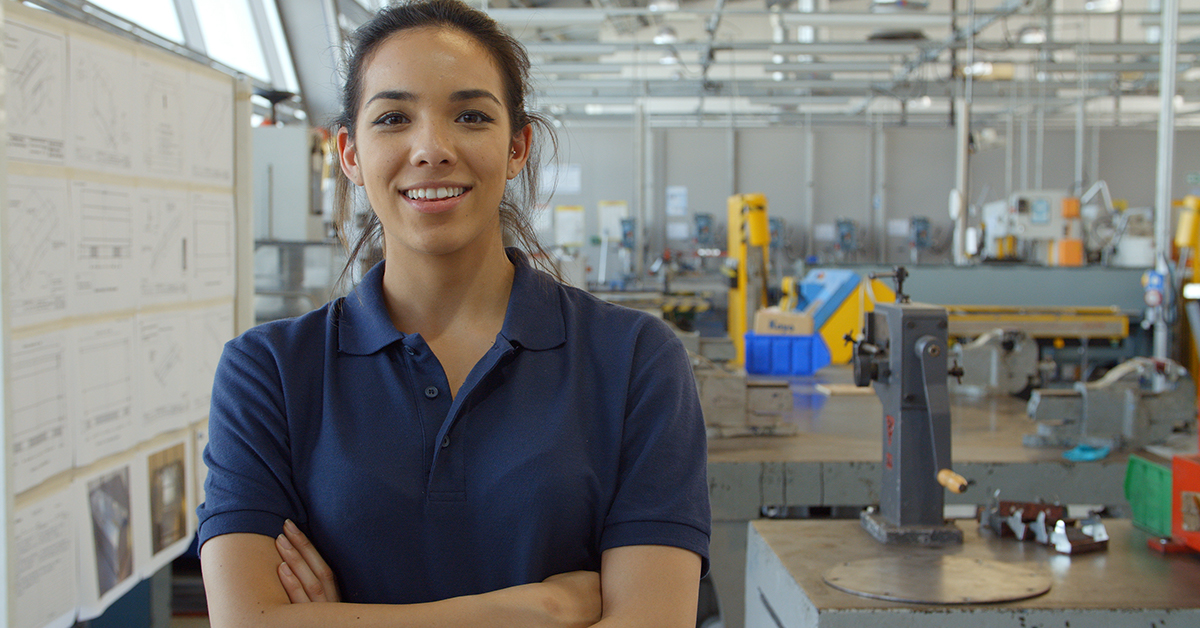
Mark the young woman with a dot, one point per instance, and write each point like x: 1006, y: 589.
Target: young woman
x: 461, y: 441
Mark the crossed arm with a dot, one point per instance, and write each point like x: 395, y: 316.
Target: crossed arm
x: 638, y: 586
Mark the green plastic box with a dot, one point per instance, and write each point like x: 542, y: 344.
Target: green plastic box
x: 1148, y: 489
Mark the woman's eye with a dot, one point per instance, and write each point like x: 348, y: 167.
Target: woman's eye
x: 390, y: 119
x: 474, y: 117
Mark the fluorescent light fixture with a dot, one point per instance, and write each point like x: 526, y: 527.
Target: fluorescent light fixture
x: 1031, y: 35
x: 923, y: 102
x: 1191, y: 291
x: 979, y: 68
x: 669, y: 58
x: 1102, y: 6
x: 663, y: 5
x: 666, y: 35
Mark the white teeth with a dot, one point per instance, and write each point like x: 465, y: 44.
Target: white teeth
x: 434, y: 193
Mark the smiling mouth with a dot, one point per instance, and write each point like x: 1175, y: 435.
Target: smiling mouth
x: 433, y: 194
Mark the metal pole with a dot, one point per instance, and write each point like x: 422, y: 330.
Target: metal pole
x: 1080, y: 131
x: 1166, y: 154
x: 962, y: 134
x: 880, y: 196
x: 641, y: 170
x: 810, y: 192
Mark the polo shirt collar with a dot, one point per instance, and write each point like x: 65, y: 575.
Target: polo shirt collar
x: 534, y: 319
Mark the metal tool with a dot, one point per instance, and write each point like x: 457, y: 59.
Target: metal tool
x: 1140, y: 401
x: 903, y: 351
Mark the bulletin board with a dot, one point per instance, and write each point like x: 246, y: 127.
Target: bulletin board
x: 125, y: 213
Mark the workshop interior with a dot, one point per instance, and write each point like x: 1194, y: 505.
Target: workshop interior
x: 936, y: 264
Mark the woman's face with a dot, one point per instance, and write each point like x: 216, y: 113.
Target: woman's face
x: 432, y: 143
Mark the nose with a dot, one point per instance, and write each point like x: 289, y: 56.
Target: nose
x: 432, y: 145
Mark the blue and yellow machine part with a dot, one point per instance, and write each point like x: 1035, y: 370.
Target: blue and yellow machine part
x: 836, y: 300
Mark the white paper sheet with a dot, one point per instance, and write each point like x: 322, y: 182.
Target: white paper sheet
x: 106, y: 279
x: 36, y: 61
x: 212, y: 255
x: 101, y: 379
x: 37, y: 250
x: 168, y: 478
x: 41, y: 444
x: 44, y: 540
x: 165, y: 372
x: 105, y: 118
x: 209, y: 329
x: 162, y: 231
x: 209, y: 110
x: 161, y: 88
x: 568, y: 225
x: 107, y: 529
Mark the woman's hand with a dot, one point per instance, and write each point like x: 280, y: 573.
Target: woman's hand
x: 303, y: 573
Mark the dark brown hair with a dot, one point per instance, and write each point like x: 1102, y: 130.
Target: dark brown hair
x: 513, y: 63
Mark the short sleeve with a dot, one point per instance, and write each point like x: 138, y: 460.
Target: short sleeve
x: 662, y: 492
x: 249, y: 486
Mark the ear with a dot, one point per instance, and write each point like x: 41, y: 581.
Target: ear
x: 518, y: 152
x: 348, y: 156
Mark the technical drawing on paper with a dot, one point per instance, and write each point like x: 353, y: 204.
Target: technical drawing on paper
x: 163, y: 111
x: 105, y: 390
x: 105, y: 277
x: 209, y: 329
x: 40, y: 445
x: 210, y: 146
x: 213, y: 269
x: 165, y: 377
x: 44, y: 541
x: 105, y: 118
x: 106, y: 224
x: 37, y: 249
x: 37, y: 88
x: 163, y: 225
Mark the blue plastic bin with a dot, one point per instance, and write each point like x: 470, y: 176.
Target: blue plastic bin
x: 770, y: 354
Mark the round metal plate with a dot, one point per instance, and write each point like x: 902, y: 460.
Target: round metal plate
x: 936, y: 579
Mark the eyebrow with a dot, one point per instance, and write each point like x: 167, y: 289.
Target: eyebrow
x: 459, y: 96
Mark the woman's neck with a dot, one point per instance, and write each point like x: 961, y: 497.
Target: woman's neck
x: 438, y: 294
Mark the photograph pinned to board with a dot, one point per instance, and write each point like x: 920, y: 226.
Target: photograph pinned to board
x: 106, y: 540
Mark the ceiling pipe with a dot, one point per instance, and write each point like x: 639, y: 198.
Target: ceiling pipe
x: 960, y: 35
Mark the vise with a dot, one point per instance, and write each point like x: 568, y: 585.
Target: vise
x: 1139, y: 402
x: 903, y: 350
x: 998, y: 362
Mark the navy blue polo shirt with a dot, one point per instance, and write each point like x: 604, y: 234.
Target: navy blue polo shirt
x: 579, y: 431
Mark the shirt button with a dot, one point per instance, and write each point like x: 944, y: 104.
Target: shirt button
x: 431, y: 392
x: 410, y: 351
x: 445, y: 442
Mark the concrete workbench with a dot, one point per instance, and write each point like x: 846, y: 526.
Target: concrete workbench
x: 835, y: 461
x: 1127, y: 585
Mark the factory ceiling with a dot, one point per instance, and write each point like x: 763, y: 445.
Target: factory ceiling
x: 768, y: 62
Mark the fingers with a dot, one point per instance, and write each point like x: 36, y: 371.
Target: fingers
x: 307, y: 578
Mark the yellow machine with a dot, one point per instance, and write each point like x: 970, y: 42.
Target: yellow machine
x: 749, y: 248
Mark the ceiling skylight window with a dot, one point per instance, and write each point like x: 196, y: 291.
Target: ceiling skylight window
x: 155, y: 16
x: 230, y: 36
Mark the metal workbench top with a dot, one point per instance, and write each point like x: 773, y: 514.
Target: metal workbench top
x: 1127, y: 585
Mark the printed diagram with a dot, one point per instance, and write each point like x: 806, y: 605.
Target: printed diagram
x: 105, y: 391
x: 164, y: 223
x: 209, y: 330
x: 106, y: 231
x: 44, y: 540
x: 105, y: 277
x: 165, y: 375
x: 102, y: 94
x: 210, y: 104
x: 37, y: 67
x: 37, y: 249
x: 162, y: 104
x: 213, y: 251
x: 40, y: 445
